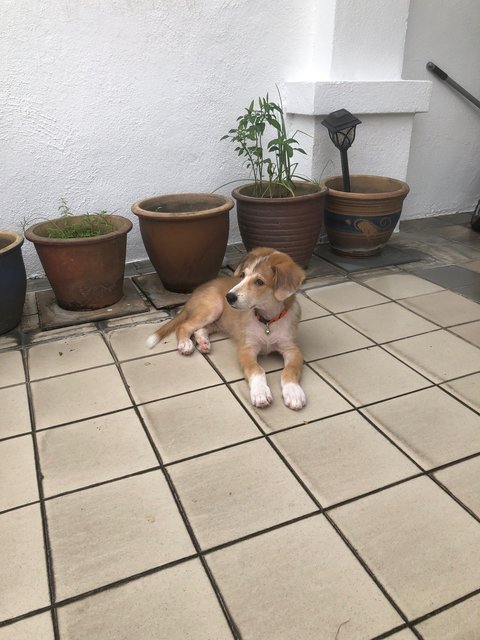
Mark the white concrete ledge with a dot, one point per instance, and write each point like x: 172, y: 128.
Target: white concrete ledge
x: 385, y: 96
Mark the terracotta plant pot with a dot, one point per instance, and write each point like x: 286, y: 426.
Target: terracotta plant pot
x: 13, y: 281
x: 359, y: 223
x: 185, y: 236
x: 85, y: 273
x: 291, y: 224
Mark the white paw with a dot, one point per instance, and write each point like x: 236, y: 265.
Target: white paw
x: 203, y: 345
x: 152, y: 341
x: 293, y: 396
x: 260, y: 393
x: 186, y: 347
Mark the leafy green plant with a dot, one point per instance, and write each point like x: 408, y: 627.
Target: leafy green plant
x: 263, y: 142
x: 87, y: 226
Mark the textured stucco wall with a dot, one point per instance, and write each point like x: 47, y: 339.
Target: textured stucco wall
x: 106, y: 101
x: 444, y: 165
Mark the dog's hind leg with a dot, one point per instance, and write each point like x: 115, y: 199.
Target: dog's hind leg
x: 201, y: 338
x: 196, y: 324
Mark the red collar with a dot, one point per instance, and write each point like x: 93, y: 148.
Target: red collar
x: 267, y: 323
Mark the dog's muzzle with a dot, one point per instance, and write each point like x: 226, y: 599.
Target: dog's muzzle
x: 231, y: 297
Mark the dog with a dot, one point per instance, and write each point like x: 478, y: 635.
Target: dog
x: 257, y: 308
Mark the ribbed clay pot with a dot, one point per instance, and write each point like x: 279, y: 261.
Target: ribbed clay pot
x: 185, y: 236
x: 291, y: 224
x: 13, y: 281
x: 85, y: 273
x: 359, y: 223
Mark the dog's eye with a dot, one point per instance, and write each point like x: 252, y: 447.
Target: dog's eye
x: 242, y: 275
x: 259, y: 282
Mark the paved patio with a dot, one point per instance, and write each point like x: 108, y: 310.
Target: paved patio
x: 141, y: 496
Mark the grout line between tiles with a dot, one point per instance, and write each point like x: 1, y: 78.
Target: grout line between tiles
x: 43, y: 510
x: 183, y: 514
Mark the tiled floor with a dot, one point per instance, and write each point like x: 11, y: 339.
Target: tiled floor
x: 141, y: 496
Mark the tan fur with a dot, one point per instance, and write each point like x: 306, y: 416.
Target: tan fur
x: 266, y: 280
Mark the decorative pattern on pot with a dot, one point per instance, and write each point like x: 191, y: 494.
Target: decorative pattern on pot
x: 359, y: 223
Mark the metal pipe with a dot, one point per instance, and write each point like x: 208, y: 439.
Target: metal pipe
x: 443, y: 76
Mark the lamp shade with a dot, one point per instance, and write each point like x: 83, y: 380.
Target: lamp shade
x: 341, y: 126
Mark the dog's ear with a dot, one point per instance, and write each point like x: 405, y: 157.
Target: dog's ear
x: 241, y: 265
x: 288, y: 277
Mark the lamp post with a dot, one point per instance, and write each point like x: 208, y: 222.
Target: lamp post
x: 341, y: 127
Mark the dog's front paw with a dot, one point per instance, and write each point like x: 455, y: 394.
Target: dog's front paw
x: 260, y: 393
x: 186, y: 347
x: 293, y: 396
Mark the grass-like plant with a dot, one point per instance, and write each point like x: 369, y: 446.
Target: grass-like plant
x: 87, y: 226
x: 263, y: 142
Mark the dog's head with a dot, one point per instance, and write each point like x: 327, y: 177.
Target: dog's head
x: 265, y: 274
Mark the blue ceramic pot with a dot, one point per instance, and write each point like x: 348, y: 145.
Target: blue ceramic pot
x: 13, y: 281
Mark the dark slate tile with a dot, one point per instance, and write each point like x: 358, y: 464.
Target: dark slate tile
x: 450, y: 276
x: 390, y: 255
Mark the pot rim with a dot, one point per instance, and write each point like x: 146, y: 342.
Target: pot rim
x: 124, y: 225
x: 139, y: 210
x: 402, y: 190
x: 322, y: 190
x: 16, y: 240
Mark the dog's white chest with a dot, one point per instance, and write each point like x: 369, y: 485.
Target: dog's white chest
x: 272, y: 337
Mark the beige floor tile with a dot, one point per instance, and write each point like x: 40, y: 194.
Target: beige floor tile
x: 129, y: 342
x: 345, y: 297
x: 78, y: 395
x: 406, y: 634
x: 463, y: 480
x: 34, y: 628
x: 174, y: 604
x: 446, y: 308
x: 474, y: 265
x: 438, y: 355
x: 369, y: 375
x: 322, y: 401
x: 47, y: 336
x: 328, y: 336
x: 18, y: 477
x: 14, y: 416
x: 387, y: 322
x: 431, y: 426
x: 401, y: 285
x: 168, y: 374
x: 469, y: 332
x: 409, y: 533
x: 354, y: 457
x: 467, y: 389
x: 461, y: 622
x: 223, y: 356
x: 237, y: 491
x: 201, y: 421
x: 300, y: 581
x: 96, y: 450
x: 11, y: 368
x: 23, y: 572
x: 114, y: 531
x: 310, y: 309
x: 65, y: 356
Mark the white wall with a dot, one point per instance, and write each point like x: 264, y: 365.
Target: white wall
x: 444, y: 165
x: 106, y: 101
x: 103, y: 102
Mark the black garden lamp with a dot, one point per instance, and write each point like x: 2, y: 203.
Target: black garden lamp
x: 341, y: 127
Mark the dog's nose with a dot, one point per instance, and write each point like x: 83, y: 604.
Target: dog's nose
x: 231, y: 297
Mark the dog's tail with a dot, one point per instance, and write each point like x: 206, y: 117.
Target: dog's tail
x: 165, y: 329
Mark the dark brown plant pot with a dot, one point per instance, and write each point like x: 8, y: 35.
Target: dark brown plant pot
x: 185, y: 236
x: 85, y: 273
x: 290, y: 224
x: 359, y: 223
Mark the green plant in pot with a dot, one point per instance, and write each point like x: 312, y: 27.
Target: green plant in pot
x: 83, y: 257
x: 279, y: 208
